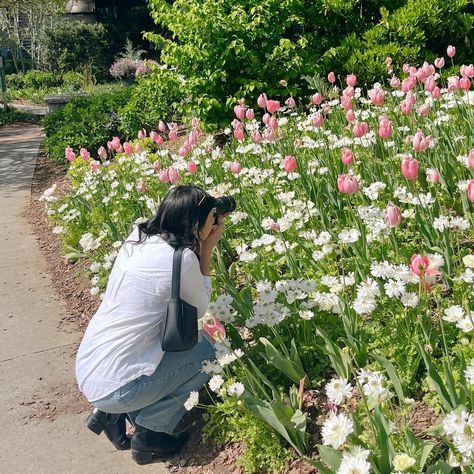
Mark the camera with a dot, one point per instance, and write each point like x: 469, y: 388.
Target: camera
x: 224, y: 204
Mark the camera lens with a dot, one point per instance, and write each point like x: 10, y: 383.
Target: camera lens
x: 225, y: 204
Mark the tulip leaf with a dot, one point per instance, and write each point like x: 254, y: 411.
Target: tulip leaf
x: 330, y: 456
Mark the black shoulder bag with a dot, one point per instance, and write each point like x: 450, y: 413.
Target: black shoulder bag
x: 180, y: 329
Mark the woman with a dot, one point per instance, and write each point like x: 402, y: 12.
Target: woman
x: 121, y: 367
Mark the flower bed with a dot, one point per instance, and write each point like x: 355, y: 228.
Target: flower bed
x: 347, y: 268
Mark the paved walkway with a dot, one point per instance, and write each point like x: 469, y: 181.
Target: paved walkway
x: 37, y: 382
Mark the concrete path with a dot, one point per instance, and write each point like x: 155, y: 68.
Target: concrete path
x: 42, y: 429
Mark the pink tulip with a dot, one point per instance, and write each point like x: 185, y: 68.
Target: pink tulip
x: 239, y: 134
x: 94, y: 166
x: 141, y: 134
x: 164, y: 176
x: 266, y: 118
x: 419, y: 264
x: 235, y: 167
x: 318, y: 120
x: 85, y: 155
x: 239, y: 111
x: 290, y: 102
x: 393, y: 215
x: 269, y: 134
x: 346, y: 102
x: 436, y: 94
x: 406, y: 68
x: 262, y: 100
x: 69, y: 154
x: 102, y: 152
x: 256, y: 137
x: 465, y: 83
x: 351, y: 80
x: 316, y: 99
x: 360, y: 129
x: 347, y: 184
x: 432, y: 175
x: 283, y: 83
x: 410, y: 168
x: 350, y: 116
x: 451, y: 51
x: 153, y: 136
x: 161, y: 126
x: 348, y: 92
x: 385, y: 127
x: 470, y: 190
x: 395, y: 82
x: 471, y: 159
x: 215, y: 329
x: 192, y: 167
x: 430, y: 84
x: 273, y: 106
x: 157, y: 166
x: 298, y: 143
x: 346, y: 156
x: 250, y: 114
x: 138, y: 148
x: 377, y: 97
x: 453, y: 83
x: 273, y: 122
x: 331, y: 77
x: 420, y: 142
x: 173, y: 136
x: 424, y: 110
x: 141, y: 187
x: 174, y: 175
x: 289, y: 164
x: 127, y: 148
x: 439, y: 62
x: 192, y: 139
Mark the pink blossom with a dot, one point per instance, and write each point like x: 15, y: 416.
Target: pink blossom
x: 377, y: 97
x: 348, y: 92
x: 393, y: 215
x: 94, y: 166
x: 239, y: 111
x: 430, y: 84
x: 290, y: 102
x: 432, y: 175
x: 262, y: 100
x: 420, y: 142
x: 406, y: 68
x: 351, y: 80
x: 138, y: 148
x: 256, y: 137
x: 69, y: 154
x: 164, y: 176
x: 141, y: 134
x: 266, y: 118
x: 174, y: 175
x: 157, y: 166
x: 471, y: 159
x: 451, y: 51
x: 453, y: 83
x: 395, y: 82
x: 316, y: 99
x: 173, y: 136
x: 465, y: 83
x: 331, y: 77
x: 235, y: 167
x: 250, y: 114
x: 318, y: 120
x: 439, y: 62
x: 141, y: 187
x: 470, y: 190
x: 424, y: 110
x: 283, y: 83
x: 239, y: 134
x: 346, y: 102
x: 269, y: 134
x: 298, y: 142
x: 273, y: 122
x: 289, y: 164
x: 127, y: 148
x: 419, y: 264
x: 192, y: 167
x: 360, y: 129
x: 85, y: 155
x: 385, y: 127
x: 161, y: 126
x: 410, y: 168
x: 273, y: 106
x: 347, y: 184
x: 215, y: 329
x: 102, y: 152
x: 350, y: 116
x: 436, y: 94
x: 346, y: 156
x: 154, y: 136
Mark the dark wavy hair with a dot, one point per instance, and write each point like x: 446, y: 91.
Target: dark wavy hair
x: 180, y: 215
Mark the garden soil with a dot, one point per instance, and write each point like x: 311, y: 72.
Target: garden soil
x: 69, y: 281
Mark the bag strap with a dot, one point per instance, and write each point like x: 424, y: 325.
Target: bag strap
x: 176, y: 277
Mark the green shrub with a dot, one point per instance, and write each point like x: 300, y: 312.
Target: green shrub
x: 84, y: 122
x: 70, y: 46
x: 10, y: 115
x: 154, y: 98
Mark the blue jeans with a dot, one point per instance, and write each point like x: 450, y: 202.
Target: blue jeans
x: 156, y: 401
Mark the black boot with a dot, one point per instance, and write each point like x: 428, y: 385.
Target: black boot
x: 115, y: 431
x: 147, y: 443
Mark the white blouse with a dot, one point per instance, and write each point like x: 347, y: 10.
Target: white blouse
x: 122, y: 340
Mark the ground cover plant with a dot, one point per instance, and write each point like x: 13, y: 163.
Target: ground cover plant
x: 346, y: 271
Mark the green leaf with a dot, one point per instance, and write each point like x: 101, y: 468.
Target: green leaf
x: 439, y: 468
x: 330, y: 456
x: 340, y: 361
x: 322, y: 468
x: 392, y: 373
